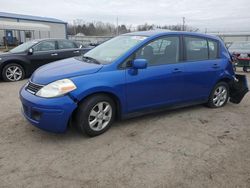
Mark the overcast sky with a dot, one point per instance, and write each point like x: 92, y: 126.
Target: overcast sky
x: 215, y: 15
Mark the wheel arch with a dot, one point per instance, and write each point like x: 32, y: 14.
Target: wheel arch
x: 113, y: 96
x: 16, y: 61
x: 225, y: 79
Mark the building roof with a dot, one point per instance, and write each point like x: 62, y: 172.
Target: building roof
x: 23, y: 26
x: 28, y: 17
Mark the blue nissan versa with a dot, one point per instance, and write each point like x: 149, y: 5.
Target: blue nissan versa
x: 129, y: 75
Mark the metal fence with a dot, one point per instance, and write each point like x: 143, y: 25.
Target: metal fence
x: 89, y: 39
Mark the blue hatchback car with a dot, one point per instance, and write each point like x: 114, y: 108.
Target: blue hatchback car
x: 129, y: 75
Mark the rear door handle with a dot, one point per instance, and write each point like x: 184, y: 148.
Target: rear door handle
x: 54, y: 54
x: 176, y: 70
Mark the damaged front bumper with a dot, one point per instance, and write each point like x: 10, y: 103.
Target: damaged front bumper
x: 238, y: 88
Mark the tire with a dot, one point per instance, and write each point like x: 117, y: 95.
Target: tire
x: 90, y: 115
x: 217, y: 92
x: 13, y: 72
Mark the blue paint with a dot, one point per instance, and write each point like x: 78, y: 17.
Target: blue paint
x: 146, y: 88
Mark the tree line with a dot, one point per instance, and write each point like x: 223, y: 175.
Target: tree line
x: 108, y: 29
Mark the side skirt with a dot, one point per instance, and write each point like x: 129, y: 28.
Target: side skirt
x: 161, y: 109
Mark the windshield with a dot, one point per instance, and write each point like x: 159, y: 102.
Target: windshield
x: 114, y: 48
x: 240, y: 46
x: 23, y: 47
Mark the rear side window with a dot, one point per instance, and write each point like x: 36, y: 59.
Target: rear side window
x: 63, y: 44
x: 213, y: 49
x: 196, y: 49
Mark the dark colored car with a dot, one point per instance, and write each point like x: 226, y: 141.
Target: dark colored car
x: 22, y: 61
x: 129, y: 75
x: 241, y: 53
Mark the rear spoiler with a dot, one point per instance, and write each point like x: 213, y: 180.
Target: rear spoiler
x: 238, y: 88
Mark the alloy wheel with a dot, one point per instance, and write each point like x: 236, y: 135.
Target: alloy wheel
x: 14, y: 73
x: 220, y: 96
x: 100, y: 116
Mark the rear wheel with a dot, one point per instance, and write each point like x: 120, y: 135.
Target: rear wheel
x: 95, y: 115
x: 219, y: 95
x: 13, y: 72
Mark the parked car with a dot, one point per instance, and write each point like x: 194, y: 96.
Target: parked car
x: 241, y: 52
x: 22, y: 61
x: 129, y: 75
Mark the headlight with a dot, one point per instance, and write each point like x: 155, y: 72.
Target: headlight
x: 56, y: 89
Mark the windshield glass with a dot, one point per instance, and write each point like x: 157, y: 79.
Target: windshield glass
x: 23, y: 47
x: 114, y: 48
x: 240, y: 46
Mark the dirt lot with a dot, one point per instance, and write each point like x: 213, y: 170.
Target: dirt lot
x: 191, y: 147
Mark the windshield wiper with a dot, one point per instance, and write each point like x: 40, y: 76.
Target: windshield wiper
x: 90, y: 60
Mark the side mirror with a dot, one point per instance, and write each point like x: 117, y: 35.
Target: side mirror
x: 140, y: 63
x: 30, y: 51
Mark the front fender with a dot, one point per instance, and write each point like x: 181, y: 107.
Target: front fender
x: 112, y: 82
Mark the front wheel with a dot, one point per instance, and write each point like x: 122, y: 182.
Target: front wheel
x: 219, y: 95
x: 95, y: 115
x: 13, y: 72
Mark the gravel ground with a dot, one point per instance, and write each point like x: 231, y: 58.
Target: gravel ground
x: 190, y: 147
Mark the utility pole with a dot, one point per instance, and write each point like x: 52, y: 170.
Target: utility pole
x: 117, y: 29
x: 183, y: 23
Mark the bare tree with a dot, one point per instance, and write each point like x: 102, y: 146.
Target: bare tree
x: 108, y: 29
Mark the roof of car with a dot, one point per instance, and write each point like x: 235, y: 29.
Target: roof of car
x: 44, y: 39
x: 162, y: 32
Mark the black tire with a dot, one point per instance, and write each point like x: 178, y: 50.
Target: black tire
x: 212, y: 96
x: 83, y: 114
x: 20, y: 70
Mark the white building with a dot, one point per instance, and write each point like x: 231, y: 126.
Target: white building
x: 17, y: 28
x: 230, y: 37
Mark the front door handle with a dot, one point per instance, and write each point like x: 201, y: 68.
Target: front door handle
x: 54, y: 54
x: 216, y: 66
x: 176, y: 70
x: 75, y: 52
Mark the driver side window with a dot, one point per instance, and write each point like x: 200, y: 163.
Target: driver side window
x: 161, y: 51
x: 45, y: 46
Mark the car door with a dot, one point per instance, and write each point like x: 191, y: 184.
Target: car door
x: 202, y: 67
x: 161, y: 82
x: 44, y: 52
x: 67, y: 49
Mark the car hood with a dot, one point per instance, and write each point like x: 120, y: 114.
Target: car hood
x: 66, y: 68
x: 7, y: 54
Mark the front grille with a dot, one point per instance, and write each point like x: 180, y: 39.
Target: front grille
x: 33, y: 88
